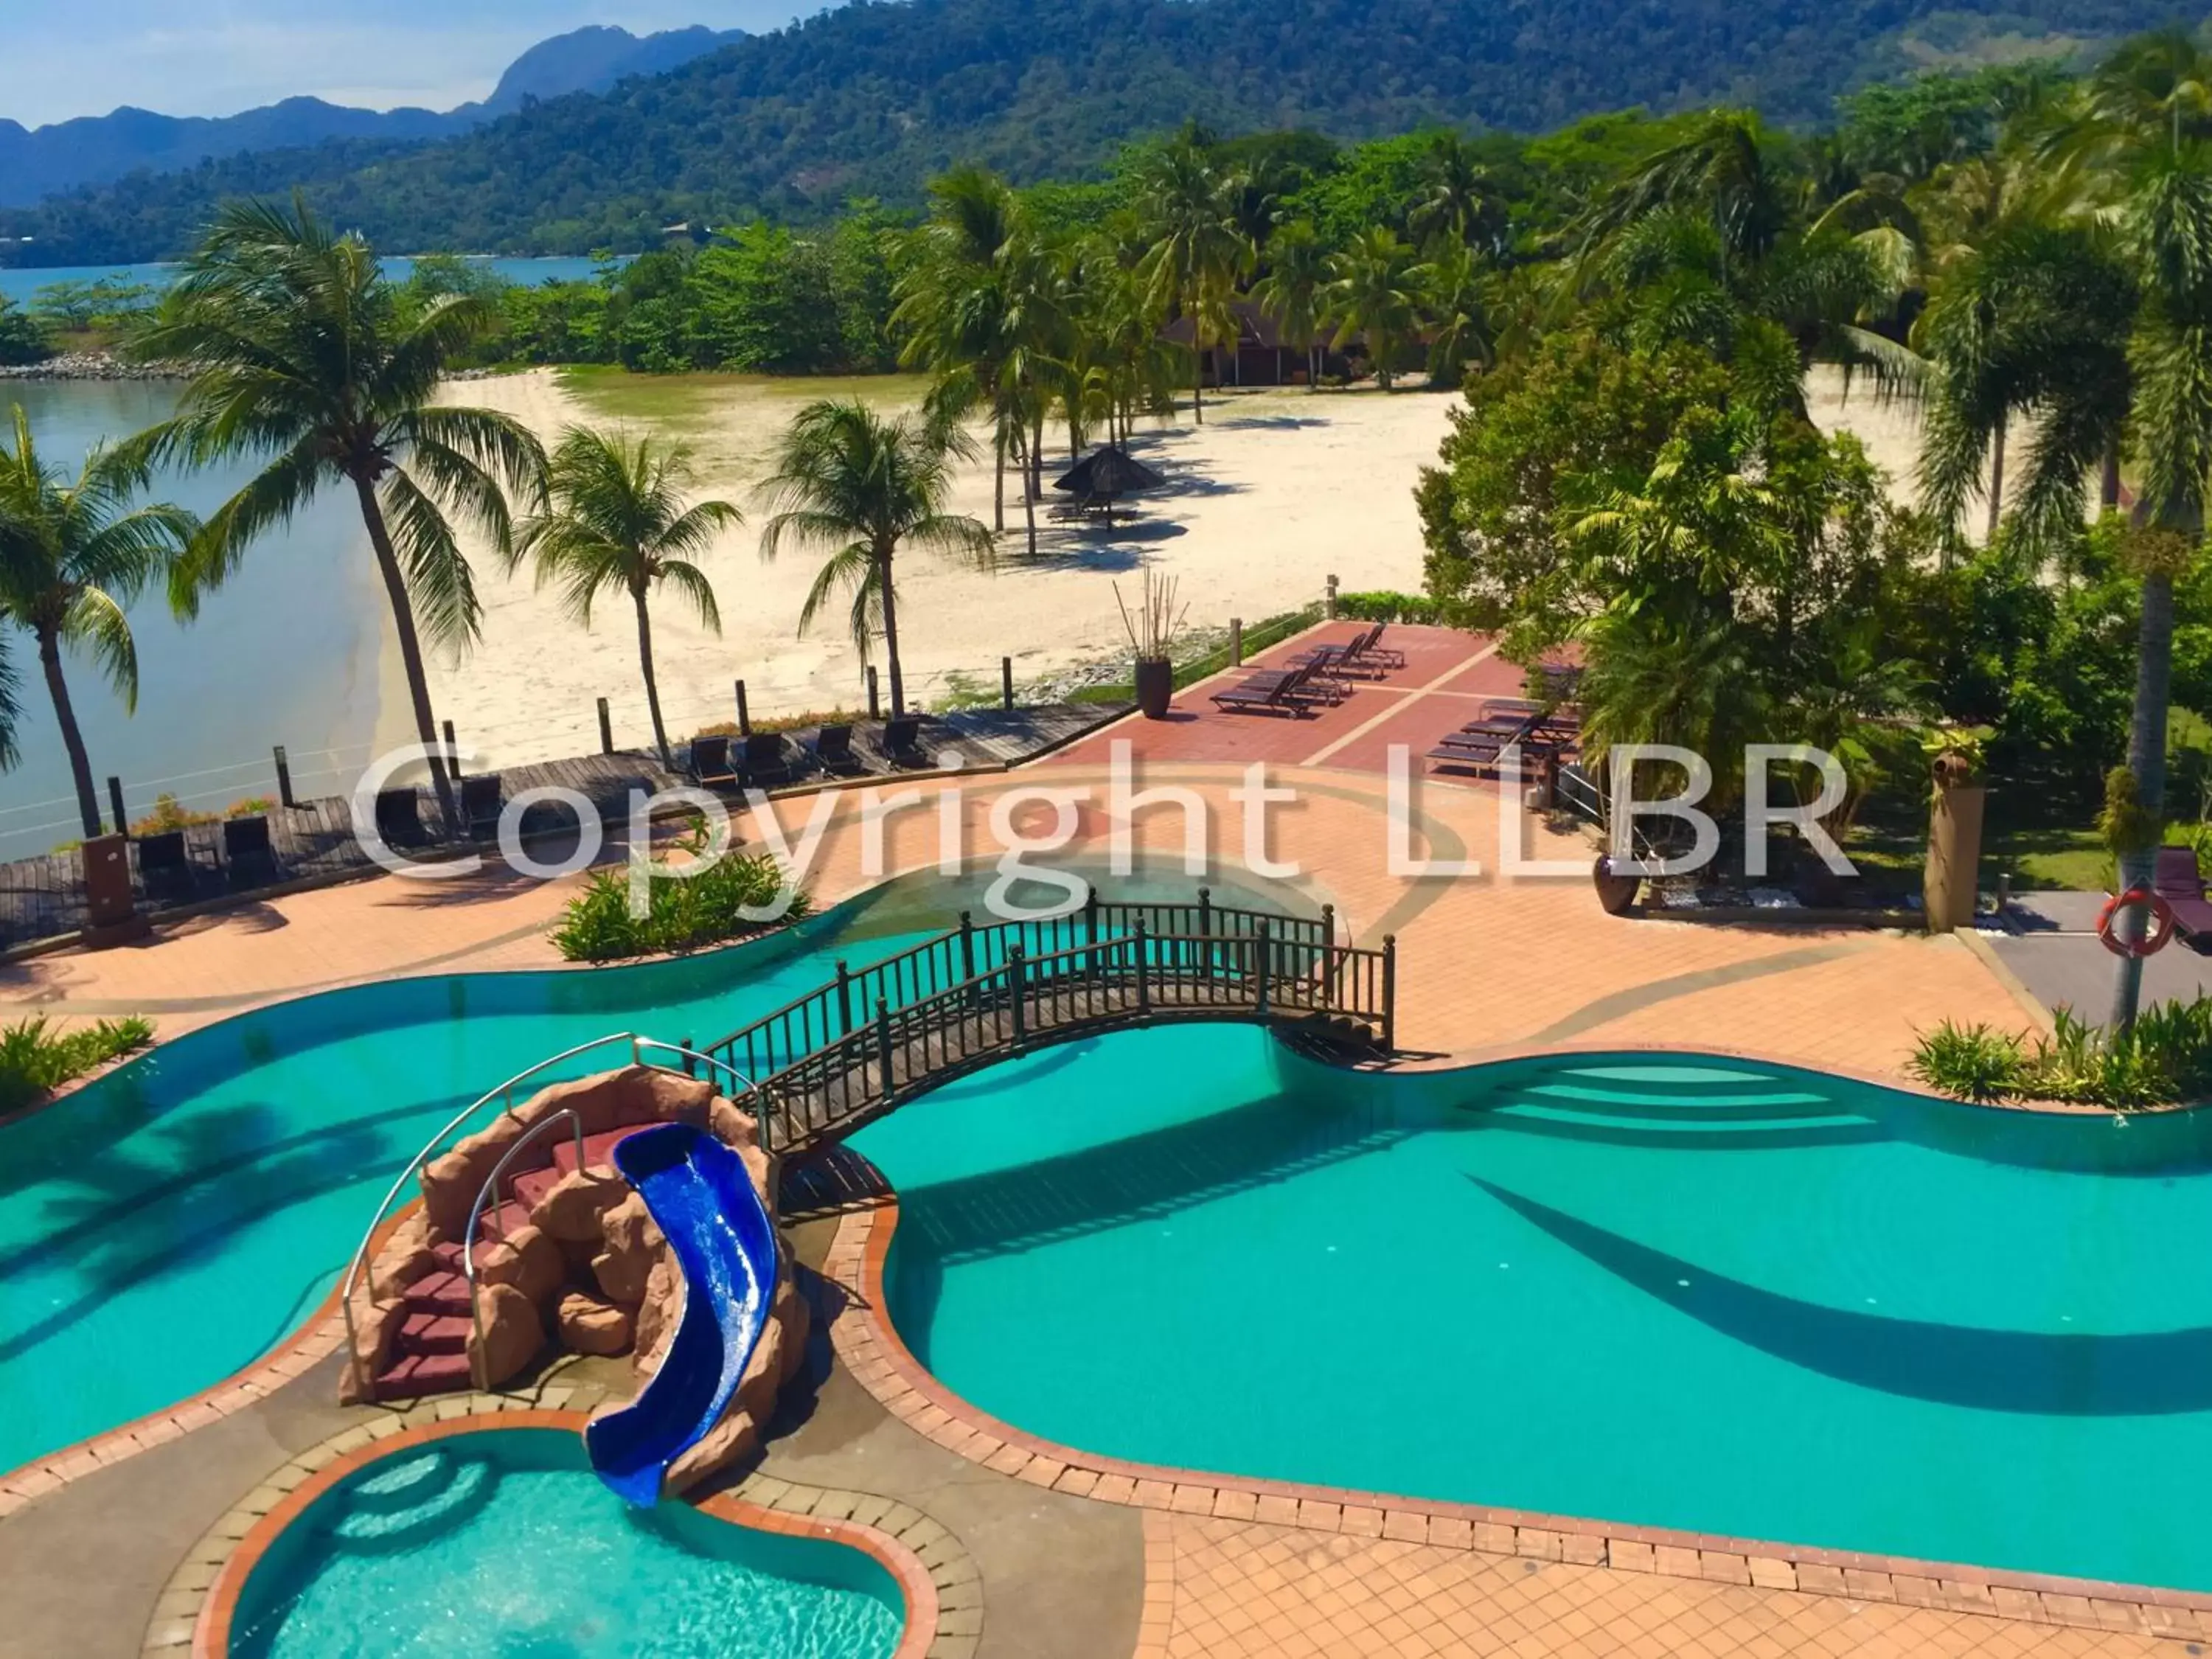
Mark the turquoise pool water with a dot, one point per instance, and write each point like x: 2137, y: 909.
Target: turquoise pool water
x: 505, y: 1546
x: 1704, y: 1295
x: 173, y: 1222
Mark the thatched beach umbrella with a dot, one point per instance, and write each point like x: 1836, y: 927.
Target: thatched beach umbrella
x: 1106, y: 475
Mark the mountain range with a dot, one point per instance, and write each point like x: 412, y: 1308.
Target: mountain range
x: 95, y: 150
x: 874, y: 97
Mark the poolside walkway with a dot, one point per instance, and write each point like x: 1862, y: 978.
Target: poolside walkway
x: 1489, y: 966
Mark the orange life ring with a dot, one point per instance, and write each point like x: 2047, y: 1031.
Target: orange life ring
x: 2154, y: 936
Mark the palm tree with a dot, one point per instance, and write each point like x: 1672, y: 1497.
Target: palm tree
x: 848, y: 480
x: 1291, y: 292
x: 72, y: 556
x: 2148, y: 131
x: 615, y: 522
x: 1456, y: 199
x: 1373, y: 295
x: 1455, y: 292
x: 306, y: 359
x: 953, y: 305
x: 1199, y: 250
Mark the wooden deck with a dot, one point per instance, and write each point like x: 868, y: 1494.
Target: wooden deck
x: 43, y: 897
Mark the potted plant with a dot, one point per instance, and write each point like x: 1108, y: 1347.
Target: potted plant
x: 1950, y: 884
x: 1152, y: 629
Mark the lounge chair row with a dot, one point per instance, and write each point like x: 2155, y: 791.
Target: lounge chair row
x: 1542, y: 733
x: 169, y: 867
x: 766, y: 760
x: 1313, y: 678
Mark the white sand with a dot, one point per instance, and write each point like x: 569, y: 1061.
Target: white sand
x: 1276, y: 492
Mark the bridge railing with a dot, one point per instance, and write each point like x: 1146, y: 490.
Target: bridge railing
x: 1135, y: 976
x: 845, y: 1004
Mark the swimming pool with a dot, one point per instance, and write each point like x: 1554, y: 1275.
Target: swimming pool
x: 171, y: 1223
x: 1651, y: 1290
x: 503, y: 1543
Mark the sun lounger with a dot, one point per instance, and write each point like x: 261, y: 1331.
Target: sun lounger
x: 1480, y: 745
x: 2175, y: 879
x: 246, y: 852
x: 767, y: 763
x: 1274, y: 692
x: 399, y: 818
x: 164, y: 866
x: 481, y: 801
x: 833, y: 752
x: 1354, y: 657
x: 710, y: 763
x: 903, y: 743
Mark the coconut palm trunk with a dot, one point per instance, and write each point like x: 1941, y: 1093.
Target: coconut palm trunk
x: 651, y: 683
x: 883, y: 557
x: 88, y: 797
x: 1996, y: 478
x: 2146, y: 760
x: 411, y: 646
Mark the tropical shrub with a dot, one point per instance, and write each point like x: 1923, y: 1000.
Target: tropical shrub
x: 36, y: 1059
x: 683, y: 912
x: 1384, y: 606
x: 2164, y: 1058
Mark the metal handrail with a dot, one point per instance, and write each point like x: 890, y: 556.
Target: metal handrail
x: 363, y: 1256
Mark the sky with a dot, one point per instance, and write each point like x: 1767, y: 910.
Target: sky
x: 67, y: 57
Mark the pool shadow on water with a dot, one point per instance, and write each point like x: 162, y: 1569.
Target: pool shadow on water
x: 2155, y: 1373
x: 1144, y: 1176
x: 131, y: 1213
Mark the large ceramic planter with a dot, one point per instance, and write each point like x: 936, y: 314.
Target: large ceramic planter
x: 1155, y: 686
x: 1948, y: 888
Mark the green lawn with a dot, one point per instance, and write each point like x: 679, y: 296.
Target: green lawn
x: 685, y: 400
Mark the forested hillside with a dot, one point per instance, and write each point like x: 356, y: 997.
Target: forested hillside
x: 873, y: 99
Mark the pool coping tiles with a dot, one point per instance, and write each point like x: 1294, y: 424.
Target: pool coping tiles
x: 938, y: 1581
x: 871, y: 1349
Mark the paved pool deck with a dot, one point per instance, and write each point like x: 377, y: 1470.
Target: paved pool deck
x: 1488, y: 967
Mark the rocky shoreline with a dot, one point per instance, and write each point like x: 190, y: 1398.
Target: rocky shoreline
x: 91, y: 366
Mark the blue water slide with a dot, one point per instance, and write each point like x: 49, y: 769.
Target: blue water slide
x: 703, y: 1199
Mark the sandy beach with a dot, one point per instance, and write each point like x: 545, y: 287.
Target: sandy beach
x: 1276, y: 492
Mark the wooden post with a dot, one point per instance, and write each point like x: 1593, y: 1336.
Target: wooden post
x: 1329, y: 601
x: 1389, y: 991
x: 883, y: 1047
x: 452, y: 753
x: 1018, y: 982
x: 1144, y: 980
x: 844, y: 999
x: 283, y: 780
x: 688, y: 1062
x: 875, y: 703
x: 606, y: 729
x: 1006, y: 683
x: 1206, y: 933
x: 1236, y: 642
x: 1259, y: 960
x: 744, y: 715
x: 115, y: 800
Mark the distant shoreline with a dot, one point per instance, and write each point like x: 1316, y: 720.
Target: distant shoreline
x: 92, y: 366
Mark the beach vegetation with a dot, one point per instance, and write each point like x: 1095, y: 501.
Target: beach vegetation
x: 860, y: 487
x: 2163, y: 1057
x: 310, y: 363
x: 619, y: 521
x: 73, y: 554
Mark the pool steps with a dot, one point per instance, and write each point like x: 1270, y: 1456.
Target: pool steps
x: 429, y: 1353
x: 423, y: 1495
